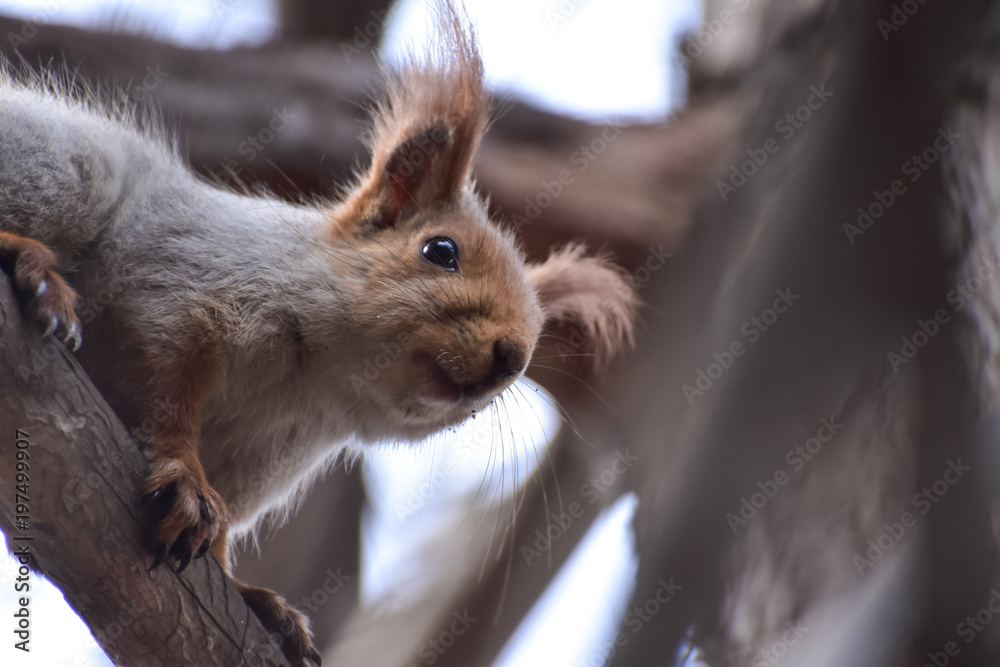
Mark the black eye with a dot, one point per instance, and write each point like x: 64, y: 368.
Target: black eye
x: 442, y: 251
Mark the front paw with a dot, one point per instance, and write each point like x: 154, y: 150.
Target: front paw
x: 277, y: 616
x: 183, y: 513
x: 49, y: 298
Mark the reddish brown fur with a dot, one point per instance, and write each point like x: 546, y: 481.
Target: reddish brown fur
x: 172, y: 446
x: 33, y: 264
x: 591, y: 292
x: 276, y: 614
x: 445, y: 90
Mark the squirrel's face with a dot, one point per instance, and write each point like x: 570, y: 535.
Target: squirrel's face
x: 442, y: 314
x: 440, y: 311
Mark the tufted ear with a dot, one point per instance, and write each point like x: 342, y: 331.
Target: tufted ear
x: 413, y: 173
x: 591, y: 292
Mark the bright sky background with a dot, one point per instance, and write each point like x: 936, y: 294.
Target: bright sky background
x: 594, y: 59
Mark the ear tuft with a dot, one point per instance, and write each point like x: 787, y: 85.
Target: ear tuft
x: 427, y: 126
x: 409, y: 172
x: 591, y: 292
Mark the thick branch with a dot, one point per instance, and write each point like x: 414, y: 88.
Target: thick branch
x: 84, y: 478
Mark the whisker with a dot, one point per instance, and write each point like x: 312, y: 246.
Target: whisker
x: 581, y: 381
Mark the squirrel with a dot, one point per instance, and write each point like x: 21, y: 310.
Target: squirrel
x: 241, y: 324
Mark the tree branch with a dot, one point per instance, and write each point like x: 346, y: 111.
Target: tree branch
x: 82, y: 528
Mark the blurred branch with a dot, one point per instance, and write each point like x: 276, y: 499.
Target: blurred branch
x: 80, y: 517
x: 363, y: 20
x: 489, y: 571
x: 323, y: 540
x: 783, y: 229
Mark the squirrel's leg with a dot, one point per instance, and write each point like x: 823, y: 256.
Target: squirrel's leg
x: 184, y: 513
x: 275, y: 614
x: 48, y: 296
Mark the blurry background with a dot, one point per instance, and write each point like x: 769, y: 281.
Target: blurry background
x: 605, y: 63
x: 671, y: 175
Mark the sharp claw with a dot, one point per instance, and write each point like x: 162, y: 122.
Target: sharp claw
x: 185, y: 561
x: 315, y: 657
x: 163, y: 495
x: 150, y: 497
x: 53, y: 325
x: 161, y: 555
x: 41, y: 289
x: 203, y: 549
x: 73, y: 335
x: 205, y: 511
x: 179, y: 546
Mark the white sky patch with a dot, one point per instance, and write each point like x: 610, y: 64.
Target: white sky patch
x: 418, y: 490
x: 593, y: 59
x: 578, y: 615
x: 58, y: 636
x: 216, y: 24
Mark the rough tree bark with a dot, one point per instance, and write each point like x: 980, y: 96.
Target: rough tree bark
x: 80, y: 518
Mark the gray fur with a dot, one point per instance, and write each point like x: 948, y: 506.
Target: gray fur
x: 129, y: 220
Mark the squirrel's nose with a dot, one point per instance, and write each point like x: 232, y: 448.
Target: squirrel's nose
x: 509, y: 359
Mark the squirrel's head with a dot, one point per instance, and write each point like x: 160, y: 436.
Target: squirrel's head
x: 444, y: 313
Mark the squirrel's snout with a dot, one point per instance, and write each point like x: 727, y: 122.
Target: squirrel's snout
x: 509, y: 359
x: 457, y: 381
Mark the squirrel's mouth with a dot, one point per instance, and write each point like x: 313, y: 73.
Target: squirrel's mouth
x: 443, y: 387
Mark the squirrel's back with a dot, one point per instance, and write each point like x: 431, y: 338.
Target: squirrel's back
x: 67, y: 161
